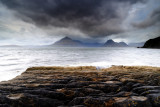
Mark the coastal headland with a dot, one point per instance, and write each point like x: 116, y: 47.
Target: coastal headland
x: 84, y: 86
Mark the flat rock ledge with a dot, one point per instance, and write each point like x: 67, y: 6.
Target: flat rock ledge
x: 83, y: 87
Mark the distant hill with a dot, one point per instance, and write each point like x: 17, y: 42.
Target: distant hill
x: 111, y: 43
x: 68, y: 42
x: 136, y: 44
x: 152, y: 43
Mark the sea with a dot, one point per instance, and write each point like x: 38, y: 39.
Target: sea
x: 15, y: 60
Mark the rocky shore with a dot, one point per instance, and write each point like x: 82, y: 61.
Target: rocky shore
x: 118, y: 86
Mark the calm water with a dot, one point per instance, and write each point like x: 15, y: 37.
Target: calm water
x: 14, y: 61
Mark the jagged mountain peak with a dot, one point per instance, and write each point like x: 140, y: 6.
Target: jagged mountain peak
x: 111, y: 43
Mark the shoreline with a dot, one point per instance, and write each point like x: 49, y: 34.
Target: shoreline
x: 143, y: 71
x: 19, y: 72
x: 83, y: 86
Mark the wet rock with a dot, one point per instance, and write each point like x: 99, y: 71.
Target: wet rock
x: 88, y: 91
x: 4, y: 105
x: 11, y: 88
x: 121, y: 102
x: 133, y: 101
x: 70, y: 94
x: 125, y: 94
x: 154, y: 99
x: 77, y: 84
x: 47, y: 93
x: 27, y: 100
x: 93, y: 102
x: 74, y: 106
x: 35, y: 85
x: 57, y: 86
x: 99, y: 95
x: 3, y: 99
x: 47, y: 102
x: 77, y: 101
x: 127, y: 87
x: 104, y: 87
x: 98, y: 102
x: 113, y: 82
x: 137, y: 85
x: 141, y: 101
x: 126, y: 80
x: 142, y: 89
x: 79, y: 106
x: 150, y: 92
x: 104, y: 78
x: 15, y: 96
x: 80, y: 78
x: 61, y: 81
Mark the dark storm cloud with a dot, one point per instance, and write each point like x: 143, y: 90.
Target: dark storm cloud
x: 152, y: 19
x: 92, y: 17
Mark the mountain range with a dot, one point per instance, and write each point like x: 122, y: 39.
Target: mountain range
x: 111, y: 43
x: 68, y: 42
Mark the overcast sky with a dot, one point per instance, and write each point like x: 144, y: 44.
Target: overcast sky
x: 40, y: 22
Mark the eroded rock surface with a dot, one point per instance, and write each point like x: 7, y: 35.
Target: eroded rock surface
x: 78, y: 87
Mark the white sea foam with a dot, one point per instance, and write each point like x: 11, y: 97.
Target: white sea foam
x: 14, y: 61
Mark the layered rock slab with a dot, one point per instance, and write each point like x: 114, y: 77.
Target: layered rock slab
x: 77, y: 87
